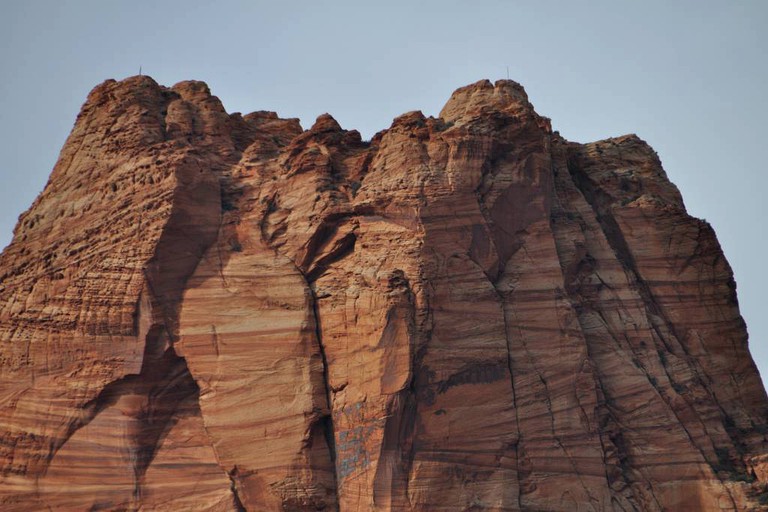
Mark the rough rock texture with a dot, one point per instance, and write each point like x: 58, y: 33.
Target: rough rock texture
x: 205, y: 311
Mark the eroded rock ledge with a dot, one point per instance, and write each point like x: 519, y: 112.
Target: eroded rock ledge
x: 209, y: 311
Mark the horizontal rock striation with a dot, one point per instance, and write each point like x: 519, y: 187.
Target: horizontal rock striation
x: 210, y: 311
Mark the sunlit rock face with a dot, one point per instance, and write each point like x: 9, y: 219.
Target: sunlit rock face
x: 209, y: 311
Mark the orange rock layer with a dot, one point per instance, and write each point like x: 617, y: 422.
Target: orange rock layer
x: 205, y: 311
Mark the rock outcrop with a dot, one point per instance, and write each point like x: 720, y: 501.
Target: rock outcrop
x: 209, y: 311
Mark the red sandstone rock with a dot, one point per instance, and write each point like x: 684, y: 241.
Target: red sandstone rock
x: 205, y: 311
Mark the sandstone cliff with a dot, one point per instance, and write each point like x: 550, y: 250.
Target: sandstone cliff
x: 209, y: 311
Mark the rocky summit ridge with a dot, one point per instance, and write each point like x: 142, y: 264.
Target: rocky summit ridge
x: 211, y: 311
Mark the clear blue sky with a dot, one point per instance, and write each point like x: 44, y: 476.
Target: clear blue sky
x: 690, y: 77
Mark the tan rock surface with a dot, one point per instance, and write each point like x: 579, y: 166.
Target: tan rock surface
x: 205, y: 311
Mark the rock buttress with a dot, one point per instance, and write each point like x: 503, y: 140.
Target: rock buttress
x: 224, y: 312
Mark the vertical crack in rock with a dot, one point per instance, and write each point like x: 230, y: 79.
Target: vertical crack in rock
x: 609, y: 430
x: 327, y: 418
x: 312, y: 267
x: 615, y: 238
x: 310, y: 275
x: 518, y: 442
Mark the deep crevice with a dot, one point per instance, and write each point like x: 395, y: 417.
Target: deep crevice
x: 326, y: 420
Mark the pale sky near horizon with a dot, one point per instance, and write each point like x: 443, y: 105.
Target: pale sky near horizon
x: 688, y: 76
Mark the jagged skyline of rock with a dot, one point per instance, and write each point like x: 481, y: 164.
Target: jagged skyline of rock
x: 694, y: 94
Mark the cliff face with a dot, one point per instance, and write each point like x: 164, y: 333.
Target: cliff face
x: 205, y: 311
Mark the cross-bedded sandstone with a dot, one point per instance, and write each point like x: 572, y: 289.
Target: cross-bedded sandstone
x: 209, y: 311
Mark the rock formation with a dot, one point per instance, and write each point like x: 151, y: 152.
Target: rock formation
x: 209, y: 311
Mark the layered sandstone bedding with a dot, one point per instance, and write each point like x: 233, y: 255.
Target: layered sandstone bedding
x: 209, y: 311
